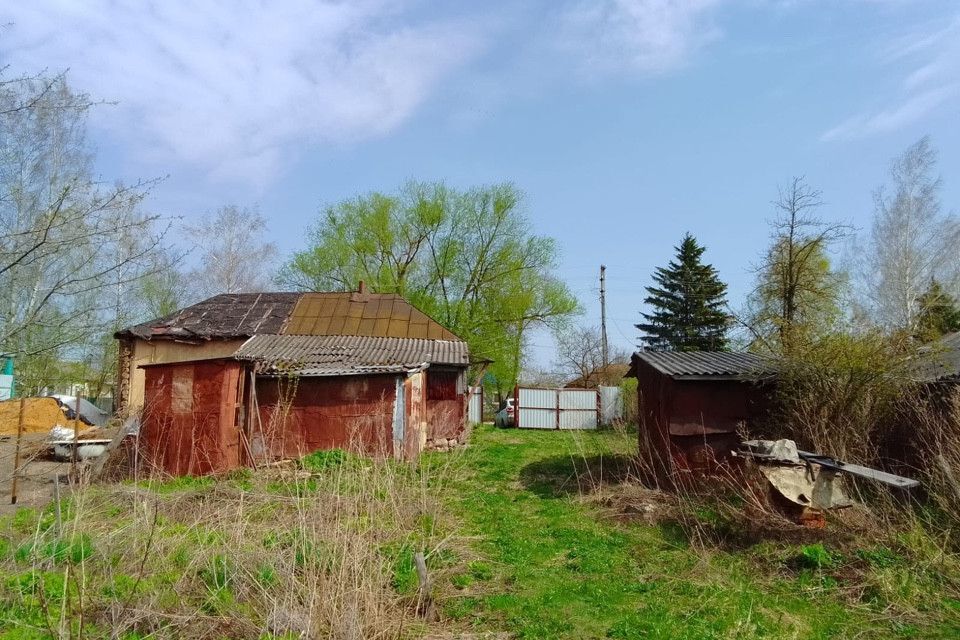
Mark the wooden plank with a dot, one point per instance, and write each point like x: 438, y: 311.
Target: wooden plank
x: 859, y: 471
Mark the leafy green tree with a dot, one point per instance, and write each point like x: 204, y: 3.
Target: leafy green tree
x: 467, y: 258
x: 688, y: 304
x: 939, y: 313
x: 797, y: 295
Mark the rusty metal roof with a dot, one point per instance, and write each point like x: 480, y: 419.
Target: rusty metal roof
x: 348, y: 355
x: 229, y: 315
x: 242, y: 315
x: 704, y: 364
x: 385, y: 315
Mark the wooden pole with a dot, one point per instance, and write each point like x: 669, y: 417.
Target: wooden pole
x: 603, y: 317
x: 427, y: 608
x: 56, y: 503
x: 76, y: 436
x: 16, y: 455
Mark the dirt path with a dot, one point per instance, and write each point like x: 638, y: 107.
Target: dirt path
x: 35, y: 481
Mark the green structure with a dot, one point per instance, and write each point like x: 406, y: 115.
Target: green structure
x: 6, y: 378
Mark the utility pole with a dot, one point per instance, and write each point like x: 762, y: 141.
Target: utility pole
x: 603, y: 316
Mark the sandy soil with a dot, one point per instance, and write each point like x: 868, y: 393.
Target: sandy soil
x: 37, y: 470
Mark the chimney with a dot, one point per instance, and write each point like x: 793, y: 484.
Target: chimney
x: 360, y: 295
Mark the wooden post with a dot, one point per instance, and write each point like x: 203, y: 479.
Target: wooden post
x: 76, y: 436
x: 16, y: 455
x: 427, y: 609
x: 56, y: 503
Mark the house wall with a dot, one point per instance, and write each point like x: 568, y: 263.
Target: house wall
x: 191, y: 418
x: 304, y: 415
x: 446, y: 406
x: 135, y: 353
x: 415, y: 428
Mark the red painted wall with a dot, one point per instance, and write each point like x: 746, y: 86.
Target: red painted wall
x: 350, y: 412
x: 446, y: 403
x: 692, y: 424
x: 190, y: 417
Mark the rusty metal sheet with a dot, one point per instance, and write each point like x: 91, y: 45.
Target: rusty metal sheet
x: 344, y: 313
x: 349, y: 355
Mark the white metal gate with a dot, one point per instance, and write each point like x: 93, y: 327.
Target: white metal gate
x: 556, y: 408
x: 536, y: 408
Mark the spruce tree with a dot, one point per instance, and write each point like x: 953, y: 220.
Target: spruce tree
x: 687, y: 303
x: 939, y: 314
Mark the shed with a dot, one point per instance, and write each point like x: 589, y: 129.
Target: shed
x: 355, y: 370
x: 691, y: 405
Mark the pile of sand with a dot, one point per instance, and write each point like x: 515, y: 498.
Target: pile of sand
x: 40, y: 415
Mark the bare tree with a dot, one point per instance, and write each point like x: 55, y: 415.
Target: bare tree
x: 234, y: 257
x: 910, y: 242
x: 797, y: 293
x: 580, y: 356
x: 68, y: 244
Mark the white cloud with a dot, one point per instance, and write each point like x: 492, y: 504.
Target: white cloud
x: 234, y: 87
x: 933, y: 56
x: 647, y: 36
x: 900, y: 115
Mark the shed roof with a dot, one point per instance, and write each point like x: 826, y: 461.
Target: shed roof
x: 228, y: 315
x: 939, y: 360
x: 701, y: 365
x: 349, y: 355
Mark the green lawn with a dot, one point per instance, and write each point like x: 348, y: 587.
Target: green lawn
x: 552, y: 564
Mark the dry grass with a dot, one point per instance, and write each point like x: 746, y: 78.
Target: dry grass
x: 319, y: 550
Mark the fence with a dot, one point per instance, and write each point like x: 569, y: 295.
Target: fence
x: 566, y: 408
x: 475, y: 409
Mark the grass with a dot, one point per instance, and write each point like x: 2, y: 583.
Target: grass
x: 561, y: 566
x: 530, y: 533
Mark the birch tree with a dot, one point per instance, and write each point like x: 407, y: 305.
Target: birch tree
x: 234, y: 257
x: 69, y: 245
x: 911, y: 242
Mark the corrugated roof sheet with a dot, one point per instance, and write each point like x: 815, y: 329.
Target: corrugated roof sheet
x: 229, y: 315
x: 714, y: 364
x: 384, y: 315
x: 940, y: 360
x: 349, y: 355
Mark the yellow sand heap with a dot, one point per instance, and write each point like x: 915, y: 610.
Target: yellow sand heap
x: 40, y: 415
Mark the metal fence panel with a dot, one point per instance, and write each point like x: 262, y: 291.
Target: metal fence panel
x: 611, y: 404
x: 475, y: 410
x: 578, y: 399
x: 578, y: 419
x: 537, y: 398
x: 537, y: 418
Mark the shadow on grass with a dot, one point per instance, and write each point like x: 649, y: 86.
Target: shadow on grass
x: 560, y: 476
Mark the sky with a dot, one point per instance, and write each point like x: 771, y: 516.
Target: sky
x: 625, y: 123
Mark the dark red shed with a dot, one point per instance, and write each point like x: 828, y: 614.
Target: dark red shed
x: 691, y: 405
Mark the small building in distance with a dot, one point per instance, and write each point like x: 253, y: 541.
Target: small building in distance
x: 610, y: 375
x: 691, y: 405
x: 241, y: 379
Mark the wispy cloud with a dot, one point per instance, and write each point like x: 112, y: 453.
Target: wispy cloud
x: 933, y: 79
x: 235, y: 87
x: 645, y: 36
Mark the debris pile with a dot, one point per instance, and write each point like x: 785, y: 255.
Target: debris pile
x: 806, y: 484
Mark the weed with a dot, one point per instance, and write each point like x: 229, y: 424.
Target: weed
x: 816, y: 556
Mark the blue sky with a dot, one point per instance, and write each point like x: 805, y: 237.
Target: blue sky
x: 626, y: 123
